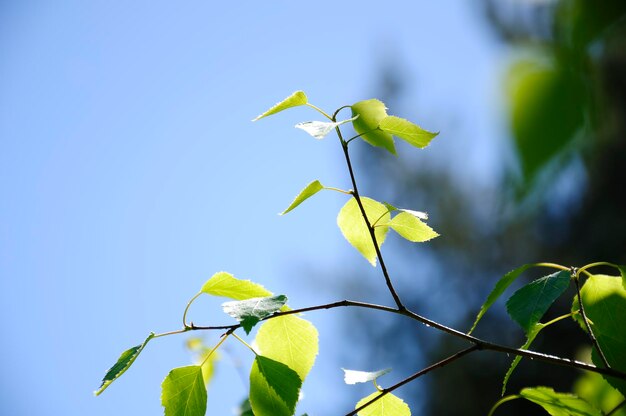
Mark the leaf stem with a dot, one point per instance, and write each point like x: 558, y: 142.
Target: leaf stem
x: 596, y: 264
x: 187, y: 308
x: 320, y: 111
x: 330, y: 188
x: 224, y: 336
x: 420, y: 373
x: 583, y: 315
x: 502, y: 401
x: 245, y: 343
x: 179, y: 331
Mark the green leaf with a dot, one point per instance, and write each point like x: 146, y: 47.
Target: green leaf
x: 123, y: 363
x: 354, y: 376
x: 201, y: 351
x: 294, y: 100
x: 532, y: 334
x: 274, y: 388
x: 388, y: 405
x: 226, y: 285
x: 559, y: 404
x: 183, y: 392
x: 528, y: 305
x: 502, y: 284
x: 319, y: 129
x: 604, y: 299
x: 310, y: 190
x: 354, y: 228
x: 409, y: 226
x: 250, y: 311
x: 407, y: 131
x: 597, y: 391
x: 290, y: 340
x: 370, y: 113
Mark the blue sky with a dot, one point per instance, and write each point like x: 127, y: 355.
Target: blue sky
x: 130, y: 172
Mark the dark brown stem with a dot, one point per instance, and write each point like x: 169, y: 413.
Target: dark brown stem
x: 478, y: 343
x: 420, y: 373
x: 357, y: 197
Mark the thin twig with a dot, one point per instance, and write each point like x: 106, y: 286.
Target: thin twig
x: 420, y: 373
x: 593, y: 338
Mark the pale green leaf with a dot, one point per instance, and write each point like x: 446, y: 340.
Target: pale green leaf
x: 370, y: 113
x: 290, y: 340
x: 310, y: 190
x: 559, y: 404
x: 319, y: 129
x: 502, y: 284
x: 354, y: 228
x: 407, y: 131
x: 388, y: 405
x: 409, y: 226
x: 274, y: 388
x: 354, y: 376
x: 597, y: 391
x: 604, y: 299
x: 250, y: 311
x: 183, y: 392
x: 123, y: 363
x: 296, y: 99
x: 226, y: 285
x: 532, y: 334
x: 528, y: 305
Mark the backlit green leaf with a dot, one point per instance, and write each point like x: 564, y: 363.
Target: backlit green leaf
x: 290, y: 340
x: 310, y: 190
x: 184, y: 392
x: 123, y: 363
x: 532, y: 334
x: 409, y: 226
x: 354, y: 376
x: 226, y: 285
x: 622, y: 271
x: 319, y: 129
x: 559, y: 404
x: 407, y: 131
x: 354, y: 228
x: 528, y: 305
x: 504, y: 282
x: 274, y: 388
x: 250, y: 311
x: 388, y: 405
x: 597, y: 391
x: 370, y: 113
x: 296, y: 99
x: 604, y: 299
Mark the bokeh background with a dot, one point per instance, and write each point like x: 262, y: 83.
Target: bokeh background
x: 130, y: 172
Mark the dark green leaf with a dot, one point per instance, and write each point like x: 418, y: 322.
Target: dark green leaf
x: 504, y: 282
x: 532, y: 334
x: 622, y: 271
x: 604, y: 299
x: 123, y: 363
x: 244, y: 408
x: 528, y: 305
x: 310, y: 190
x: 183, y: 392
x: 559, y: 404
x: 274, y: 388
x: 249, y: 312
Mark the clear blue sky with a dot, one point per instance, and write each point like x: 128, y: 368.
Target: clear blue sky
x: 130, y: 172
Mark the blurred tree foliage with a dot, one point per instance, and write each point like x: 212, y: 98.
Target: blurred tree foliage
x: 564, y: 201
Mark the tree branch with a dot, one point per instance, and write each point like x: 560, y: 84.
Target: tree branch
x: 420, y: 373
